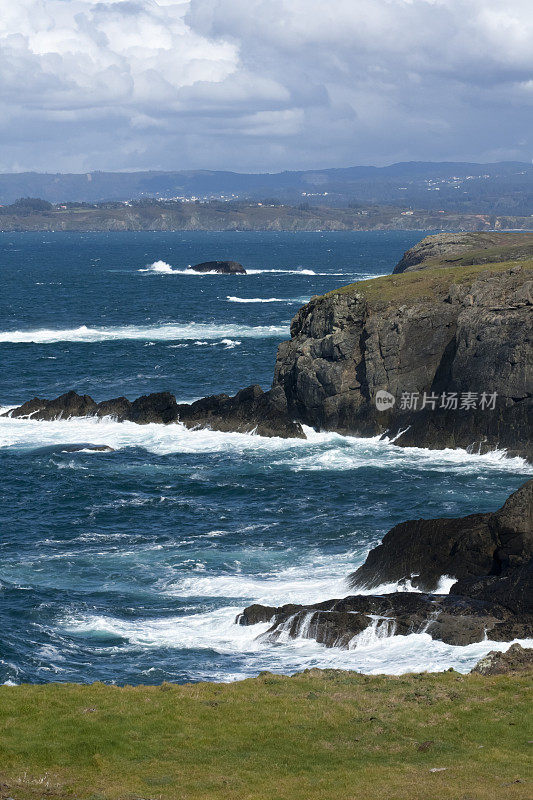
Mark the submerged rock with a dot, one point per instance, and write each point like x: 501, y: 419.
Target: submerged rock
x: 223, y: 267
x: 250, y: 410
x: 72, y: 448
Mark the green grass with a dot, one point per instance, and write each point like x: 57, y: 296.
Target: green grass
x: 426, y: 283
x: 327, y: 735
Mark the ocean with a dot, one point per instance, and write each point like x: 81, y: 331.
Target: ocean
x: 130, y: 566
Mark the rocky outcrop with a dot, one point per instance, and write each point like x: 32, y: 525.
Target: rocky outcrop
x: 222, y: 267
x: 453, y: 619
x: 477, y: 545
x: 494, y: 598
x: 515, y: 659
x: 250, y: 410
x: 450, y: 249
x: 451, y: 348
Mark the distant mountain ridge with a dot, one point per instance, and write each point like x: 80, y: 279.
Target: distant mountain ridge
x: 502, y: 188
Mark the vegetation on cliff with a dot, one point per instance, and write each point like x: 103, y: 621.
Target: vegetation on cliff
x: 462, y: 249
x: 320, y: 735
x: 429, y: 333
x: 431, y: 284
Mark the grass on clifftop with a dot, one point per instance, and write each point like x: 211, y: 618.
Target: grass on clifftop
x: 424, y: 283
x: 327, y: 735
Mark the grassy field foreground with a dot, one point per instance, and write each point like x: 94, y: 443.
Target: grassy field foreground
x: 314, y: 736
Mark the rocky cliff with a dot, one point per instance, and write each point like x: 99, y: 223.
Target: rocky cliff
x: 449, y: 345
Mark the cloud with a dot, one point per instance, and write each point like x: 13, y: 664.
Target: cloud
x: 262, y: 84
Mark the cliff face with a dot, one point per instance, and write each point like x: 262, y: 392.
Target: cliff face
x: 441, y: 331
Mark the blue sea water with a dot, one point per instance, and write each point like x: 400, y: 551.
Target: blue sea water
x: 130, y: 566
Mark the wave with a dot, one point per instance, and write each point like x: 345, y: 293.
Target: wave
x: 232, y: 299
x: 163, y: 268
x: 319, y: 451
x: 158, y: 266
x: 288, y: 272
x: 374, y: 651
x: 162, y: 332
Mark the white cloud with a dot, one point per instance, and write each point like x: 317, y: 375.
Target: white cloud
x: 262, y: 84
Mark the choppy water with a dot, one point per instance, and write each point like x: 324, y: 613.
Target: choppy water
x: 131, y: 565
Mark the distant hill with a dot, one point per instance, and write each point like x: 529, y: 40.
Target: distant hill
x: 502, y: 188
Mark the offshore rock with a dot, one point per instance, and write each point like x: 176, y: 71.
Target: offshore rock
x: 250, y: 410
x: 477, y: 545
x: 222, y: 267
x: 463, y: 331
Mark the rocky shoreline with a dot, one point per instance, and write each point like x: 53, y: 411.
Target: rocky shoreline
x: 493, y: 598
x: 249, y: 411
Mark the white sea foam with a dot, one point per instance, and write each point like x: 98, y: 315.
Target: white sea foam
x: 163, y: 268
x: 171, y: 331
x: 158, y: 266
x: 322, y: 450
x: 374, y: 652
x: 232, y: 299
x: 308, y: 581
x: 289, y: 272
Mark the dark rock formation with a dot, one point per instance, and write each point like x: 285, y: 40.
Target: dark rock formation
x: 433, y: 332
x: 513, y: 589
x: 223, y: 267
x: 478, y: 545
x: 66, y: 405
x: 515, y: 659
x: 249, y: 410
x: 493, y: 600
x: 160, y: 407
x: 450, y: 249
x: 451, y: 619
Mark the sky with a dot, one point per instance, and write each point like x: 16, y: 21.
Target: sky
x: 262, y: 85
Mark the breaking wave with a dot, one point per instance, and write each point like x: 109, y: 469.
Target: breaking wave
x: 232, y: 299
x: 163, y: 332
x: 217, y: 631
x: 320, y: 450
